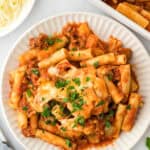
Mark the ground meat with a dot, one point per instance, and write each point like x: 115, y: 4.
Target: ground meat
x: 28, y: 132
x: 39, y: 42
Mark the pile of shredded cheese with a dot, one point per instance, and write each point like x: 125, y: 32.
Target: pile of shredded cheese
x: 9, y: 10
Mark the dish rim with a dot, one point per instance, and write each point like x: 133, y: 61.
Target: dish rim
x: 121, y: 18
x: 10, y: 51
x: 16, y: 23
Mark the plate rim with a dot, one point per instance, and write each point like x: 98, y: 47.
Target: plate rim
x: 10, y: 51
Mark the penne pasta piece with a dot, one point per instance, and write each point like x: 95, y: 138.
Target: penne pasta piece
x: 100, y: 88
x: 120, y: 114
x: 48, y: 127
x: 17, y: 77
x: 27, y: 56
x: 134, y: 7
x: 97, y: 51
x: 100, y: 60
x: 145, y: 14
x: 56, y: 140
x: 53, y: 59
x: 134, y: 102
x: 34, y: 121
x: 22, y: 119
x: 120, y: 60
x: 42, y: 54
x: 114, y: 91
x: 80, y: 55
x: 125, y: 82
x: 134, y: 85
x: 83, y: 29
x: 133, y: 15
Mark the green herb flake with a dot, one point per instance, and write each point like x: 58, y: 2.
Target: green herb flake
x: 43, y: 98
x: 100, y: 103
x: 73, y: 96
x: 148, y: 142
x: 110, y: 77
x: 48, y: 122
x: 77, y: 106
x: 28, y: 92
x: 80, y: 120
x: 70, y: 88
x: 53, y: 123
x: 63, y: 129
x: 35, y: 71
x: 68, y: 143
x: 101, y: 116
x: 107, y: 124
x: 111, y: 113
x: 57, y: 40
x: 65, y: 99
x: 50, y: 42
x: 74, y: 49
x: 61, y: 83
x: 46, y: 112
x: 96, y: 64
x: 128, y: 107
x: 77, y: 81
x: 24, y: 108
x: 79, y: 54
x: 88, y: 79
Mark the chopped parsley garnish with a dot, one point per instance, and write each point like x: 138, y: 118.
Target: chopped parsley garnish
x: 107, y: 124
x: 128, y: 107
x: 77, y: 106
x: 100, y: 103
x: 58, y: 40
x: 53, y: 123
x: 74, y: 49
x: 80, y: 120
x: 148, y: 142
x: 68, y: 143
x: 111, y: 113
x: 61, y: 107
x: 25, y: 108
x: 46, y: 112
x: 88, y: 79
x: 70, y: 88
x: 65, y: 99
x: 96, y: 64
x: 63, y: 128
x: 79, y: 54
x: 101, y: 116
x: 35, y: 71
x: 110, y: 76
x: 43, y: 98
x: 48, y: 122
x: 50, y: 42
x: 73, y: 95
x: 77, y: 81
x: 61, y: 83
x: 28, y: 92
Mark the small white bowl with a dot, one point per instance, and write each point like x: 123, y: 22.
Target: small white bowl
x: 121, y: 18
x: 22, y: 16
x: 102, y: 27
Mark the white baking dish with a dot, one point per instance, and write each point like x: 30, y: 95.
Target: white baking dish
x: 121, y: 18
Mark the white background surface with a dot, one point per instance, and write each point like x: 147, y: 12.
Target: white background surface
x: 42, y: 9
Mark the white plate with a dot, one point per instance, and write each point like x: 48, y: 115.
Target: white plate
x: 121, y: 18
x: 22, y: 16
x: 103, y: 27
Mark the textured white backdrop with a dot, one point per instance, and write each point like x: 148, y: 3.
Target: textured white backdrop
x: 42, y: 9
